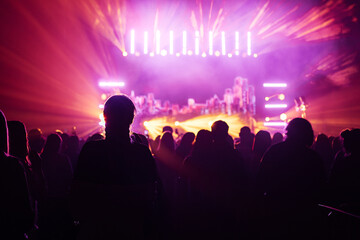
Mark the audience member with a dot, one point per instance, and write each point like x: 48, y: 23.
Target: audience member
x: 289, y: 185
x: 114, y: 184
x: 16, y: 213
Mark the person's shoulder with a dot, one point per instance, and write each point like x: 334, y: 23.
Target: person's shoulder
x: 94, y: 145
x: 139, y: 148
x: 12, y: 164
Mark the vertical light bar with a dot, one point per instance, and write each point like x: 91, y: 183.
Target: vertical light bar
x: 157, y: 42
x: 132, y: 41
x: 237, y: 43
x: 171, y: 46
x: 211, y: 50
x: 223, y: 49
x: 184, y: 43
x: 197, y: 42
x: 146, y: 37
x: 248, y: 43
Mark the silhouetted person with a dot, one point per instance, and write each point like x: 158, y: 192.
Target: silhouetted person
x: 289, y: 186
x: 323, y: 147
x: 139, y: 138
x: 167, y: 129
x: 245, y: 147
x: 227, y: 183
x: 199, y: 213
x: 58, y: 176
x: 185, y: 146
x: 277, y: 138
x: 345, y: 186
x: 95, y: 137
x: 36, y: 140
x: 114, y: 183
x: 73, y: 150
x: 18, y: 147
x: 16, y: 213
x: 262, y: 142
x: 169, y: 166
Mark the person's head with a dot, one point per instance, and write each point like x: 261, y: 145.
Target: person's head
x: 262, y: 142
x: 203, y: 139
x: 52, y: 144
x: 3, y: 134
x: 18, y: 144
x: 300, y: 131
x: 73, y: 143
x: 219, y: 130
x: 277, y: 138
x: 119, y: 112
x: 187, y: 139
x: 166, y: 142
x: 95, y: 137
x: 351, y: 140
x: 244, y: 132
x: 36, y: 140
x: 167, y: 129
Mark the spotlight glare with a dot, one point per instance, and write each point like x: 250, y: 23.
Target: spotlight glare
x: 255, y: 55
x: 152, y: 54
x: 177, y: 123
x: 203, y: 55
x: 217, y: 53
x: 103, y: 96
x: 229, y: 55
x: 163, y: 52
x: 267, y: 98
x: 146, y: 124
x: 124, y: 54
x: 190, y: 52
x: 281, y: 96
x: 101, y: 106
x: 283, y: 117
x: 267, y: 119
x: 178, y: 54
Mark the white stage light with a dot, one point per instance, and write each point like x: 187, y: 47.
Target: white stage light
x: 157, y: 42
x: 184, y: 43
x: 146, y: 37
x: 279, y: 85
x: 132, y: 41
x: 248, y: 43
x: 275, y: 105
x: 223, y: 49
x: 211, y: 51
x: 237, y: 43
x: 275, y: 124
x: 197, y: 42
x: 111, y: 84
x: 171, y: 46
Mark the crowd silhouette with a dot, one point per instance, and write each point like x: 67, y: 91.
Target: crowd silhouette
x: 204, y: 186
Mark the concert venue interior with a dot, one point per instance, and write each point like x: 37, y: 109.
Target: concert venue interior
x: 176, y: 56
